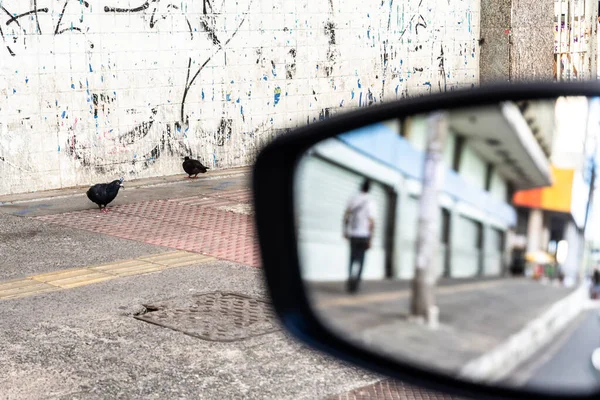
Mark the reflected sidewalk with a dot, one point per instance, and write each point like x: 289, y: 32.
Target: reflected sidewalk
x: 476, y: 315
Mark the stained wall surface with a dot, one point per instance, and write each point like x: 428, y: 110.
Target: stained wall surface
x: 92, y: 91
x: 532, y: 41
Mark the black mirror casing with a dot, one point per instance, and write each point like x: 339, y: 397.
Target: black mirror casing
x: 273, y: 187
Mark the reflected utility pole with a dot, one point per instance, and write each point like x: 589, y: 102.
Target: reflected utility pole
x: 423, y: 298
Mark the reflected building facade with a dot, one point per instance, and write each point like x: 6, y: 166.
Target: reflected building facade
x: 490, y: 153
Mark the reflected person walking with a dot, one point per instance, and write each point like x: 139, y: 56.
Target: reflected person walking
x: 359, y: 224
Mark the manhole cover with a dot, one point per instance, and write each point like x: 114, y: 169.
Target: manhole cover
x: 220, y: 317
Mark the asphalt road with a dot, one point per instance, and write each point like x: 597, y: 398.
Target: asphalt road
x: 565, y: 365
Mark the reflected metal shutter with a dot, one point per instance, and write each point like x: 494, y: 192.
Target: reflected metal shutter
x: 325, y: 194
x: 323, y: 190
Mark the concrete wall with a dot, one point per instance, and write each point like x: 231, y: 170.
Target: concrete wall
x: 495, y: 47
x: 532, y: 40
x: 93, y: 91
x: 517, y: 40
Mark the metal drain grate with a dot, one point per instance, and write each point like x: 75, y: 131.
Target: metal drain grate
x: 218, y: 316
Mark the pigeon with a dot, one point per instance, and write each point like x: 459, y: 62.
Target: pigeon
x: 193, y: 167
x: 104, y: 193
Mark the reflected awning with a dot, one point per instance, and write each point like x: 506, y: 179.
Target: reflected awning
x: 501, y: 136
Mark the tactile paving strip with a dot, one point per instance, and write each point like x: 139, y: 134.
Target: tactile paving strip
x: 194, y: 224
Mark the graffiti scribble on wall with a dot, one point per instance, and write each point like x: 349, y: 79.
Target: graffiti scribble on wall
x: 96, y: 89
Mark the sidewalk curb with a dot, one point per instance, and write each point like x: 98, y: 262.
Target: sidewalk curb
x: 502, y: 360
x: 142, y: 183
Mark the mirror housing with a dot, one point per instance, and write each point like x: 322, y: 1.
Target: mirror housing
x: 273, y: 186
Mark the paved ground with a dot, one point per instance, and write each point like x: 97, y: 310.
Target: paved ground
x: 78, y: 337
x: 81, y: 283
x: 30, y: 246
x: 84, y: 343
x: 475, y: 316
x: 391, y: 390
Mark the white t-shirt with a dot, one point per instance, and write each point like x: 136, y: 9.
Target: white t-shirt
x: 362, y: 208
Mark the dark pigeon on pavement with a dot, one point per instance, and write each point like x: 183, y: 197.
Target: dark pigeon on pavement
x: 104, y: 193
x: 193, y: 167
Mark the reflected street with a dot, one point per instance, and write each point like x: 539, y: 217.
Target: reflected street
x: 567, y: 359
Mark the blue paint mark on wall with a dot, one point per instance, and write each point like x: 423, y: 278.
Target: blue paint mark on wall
x: 64, y: 114
x: 359, y: 85
x: 228, y: 97
x: 353, y: 94
x: 427, y: 84
x: 469, y: 20
x: 91, y: 69
x: 242, y: 110
x: 202, y: 94
x: 277, y: 95
x: 265, y: 77
x: 26, y: 80
x: 360, y: 100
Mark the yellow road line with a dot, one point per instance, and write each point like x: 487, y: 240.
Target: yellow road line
x: 389, y: 295
x: 72, y: 278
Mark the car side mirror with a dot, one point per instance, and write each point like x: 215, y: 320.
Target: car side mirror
x: 445, y: 241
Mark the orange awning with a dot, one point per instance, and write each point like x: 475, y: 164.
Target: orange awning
x: 557, y: 197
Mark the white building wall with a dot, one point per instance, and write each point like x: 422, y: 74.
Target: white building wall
x: 90, y: 91
x: 498, y: 187
x: 324, y: 252
x: 472, y: 168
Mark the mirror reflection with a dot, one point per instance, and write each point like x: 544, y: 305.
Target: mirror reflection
x: 464, y: 241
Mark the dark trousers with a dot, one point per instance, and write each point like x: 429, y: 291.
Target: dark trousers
x: 358, y: 248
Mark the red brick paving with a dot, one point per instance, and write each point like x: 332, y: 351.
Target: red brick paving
x: 392, y: 390
x: 192, y: 224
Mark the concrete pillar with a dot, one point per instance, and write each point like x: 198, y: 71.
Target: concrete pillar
x: 545, y: 235
x: 535, y: 228
x: 494, y: 60
x: 509, y: 52
x: 572, y: 263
